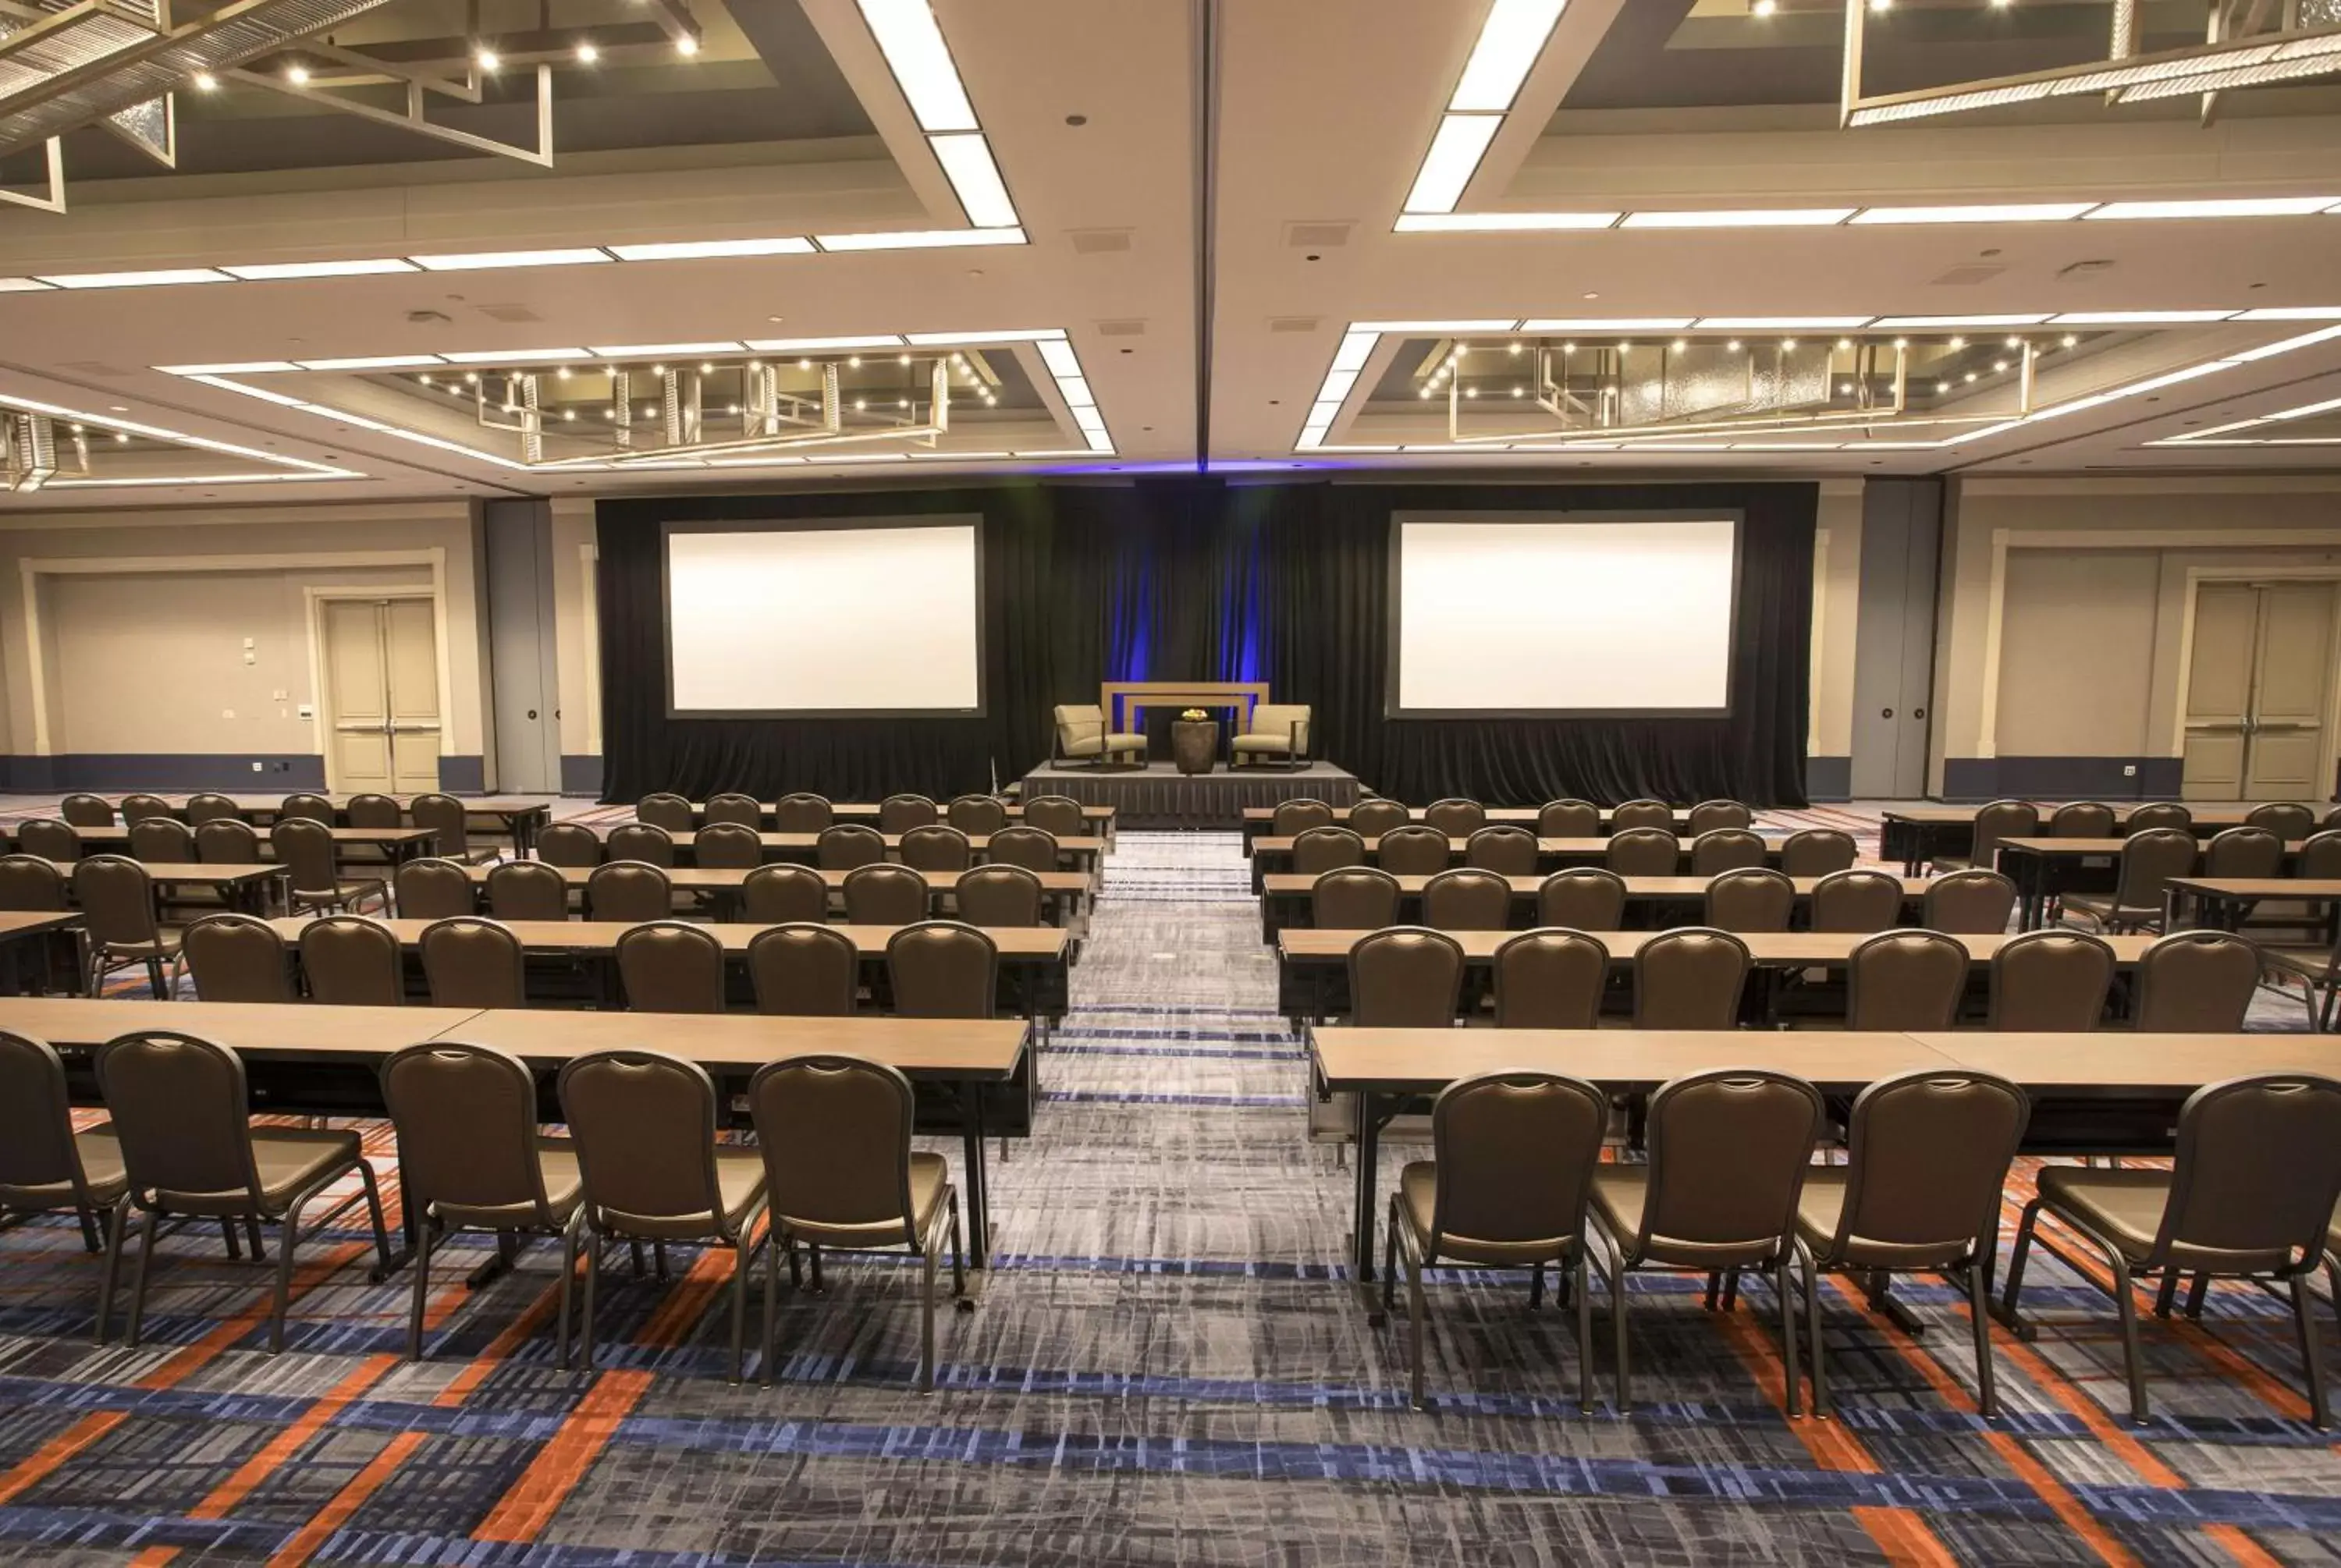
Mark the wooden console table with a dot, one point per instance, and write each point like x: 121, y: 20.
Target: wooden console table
x: 1115, y: 696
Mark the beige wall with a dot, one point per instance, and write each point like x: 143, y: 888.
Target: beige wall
x: 2063, y: 603
x: 138, y: 621
x: 1837, y: 610
x: 576, y: 627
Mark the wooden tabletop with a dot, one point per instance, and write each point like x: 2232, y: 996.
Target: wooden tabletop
x: 2308, y: 889
x: 240, y: 1026
x: 1275, y: 845
x: 870, y: 809
x: 30, y: 922
x: 938, y: 1048
x: 2118, y: 1059
x: 1496, y: 814
x: 1017, y: 943
x: 935, y: 1048
x: 202, y: 872
x: 1817, y: 950
x: 2045, y: 845
x: 978, y: 842
x: 492, y: 804
x: 2203, y: 816
x: 690, y: 878
x: 1289, y: 883
x: 341, y: 835
x: 1422, y: 1060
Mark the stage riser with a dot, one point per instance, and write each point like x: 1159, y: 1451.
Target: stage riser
x: 1160, y: 796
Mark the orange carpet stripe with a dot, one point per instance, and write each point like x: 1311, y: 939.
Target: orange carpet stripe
x: 44, y: 1461
x: 2013, y: 1453
x: 288, y: 1442
x: 348, y: 1499
x: 1901, y: 1536
x: 529, y: 1505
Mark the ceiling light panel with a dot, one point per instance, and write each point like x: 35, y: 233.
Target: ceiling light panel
x: 921, y: 239
x: 153, y: 278
x: 946, y: 340
x: 2134, y: 318
x: 2221, y: 207
x: 967, y: 162
x: 1509, y: 42
x: 1985, y: 213
x: 1356, y: 349
x: 921, y: 63
x: 22, y: 285
x: 270, y: 272
x: 375, y: 362
x: 1744, y: 218
x: 822, y: 346
x: 1059, y: 356
x: 1501, y: 222
x: 1503, y: 326
x: 513, y: 356
x: 1454, y: 157
x: 1781, y: 323
x: 1931, y: 323
x: 654, y: 350
x: 700, y: 249
x: 481, y: 260
x: 1617, y: 324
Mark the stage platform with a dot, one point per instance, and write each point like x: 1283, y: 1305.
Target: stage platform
x: 1160, y: 796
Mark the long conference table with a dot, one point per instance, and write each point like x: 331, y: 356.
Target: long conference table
x: 395, y: 845
x: 2044, y: 868
x: 1033, y: 960
x: 515, y: 817
x: 1916, y: 835
x: 1385, y: 1067
x: 1100, y: 818
x: 1285, y: 895
x: 295, y: 1052
x: 1259, y: 821
x: 1272, y: 854
x: 1062, y: 892
x: 1084, y: 852
x: 1309, y: 963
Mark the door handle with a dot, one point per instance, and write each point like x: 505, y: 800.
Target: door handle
x: 1918, y: 714
x: 1886, y: 713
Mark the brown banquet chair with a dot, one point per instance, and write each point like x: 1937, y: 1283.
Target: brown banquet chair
x: 631, y: 891
x: 1466, y: 898
x: 1513, y: 1156
x: 1858, y: 900
x: 1906, y: 981
x: 667, y: 812
x: 801, y: 812
x: 1818, y: 852
x: 1455, y: 817
x: 1720, y: 849
x: 1690, y: 979
x: 1369, y: 820
x: 2149, y: 858
x: 1582, y: 899
x: 1709, y: 815
x: 1643, y: 852
x: 782, y: 895
x: 1551, y: 978
x: 1328, y: 849
x: 1061, y: 815
x: 845, y: 846
x: 1021, y: 844
x: 237, y: 959
x: 87, y: 812
x: 2246, y: 852
x: 307, y: 806
x: 2082, y: 819
x: 730, y: 808
x: 472, y: 963
x: 1417, y: 849
x: 646, y: 842
x: 1728, y: 1154
x: 47, y: 1166
x: 1288, y: 818
x: 120, y: 915
x: 1642, y: 813
x: 885, y: 895
x: 942, y: 969
x: 998, y: 896
x: 2159, y: 814
x: 2194, y: 982
x: 1928, y: 1156
x: 1506, y: 849
x: 900, y: 813
x: 1751, y: 899
x: 137, y: 809
x: 2050, y: 982
x: 976, y: 814
x: 1971, y: 903
x: 450, y: 823
x: 1999, y: 819
x: 670, y: 966
x: 934, y: 847
x: 349, y: 961
x: 31, y: 884
x: 527, y: 890
x: 50, y: 839
x: 1353, y: 898
x: 805, y: 969
x: 208, y: 806
x: 307, y: 850
x: 1570, y: 819
x: 727, y: 846
x: 2288, y: 821
x: 570, y: 846
x: 1405, y: 977
x: 228, y: 842
x: 434, y: 890
x: 161, y: 841
x: 2249, y: 1195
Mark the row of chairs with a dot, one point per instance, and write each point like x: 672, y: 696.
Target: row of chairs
x: 808, y: 813
x: 2151, y: 857
x: 1419, y: 849
x: 934, y: 968
x: 1460, y: 818
x: 2289, y: 821
x: 930, y: 846
x: 833, y: 1166
x: 1591, y: 899
x: 878, y: 893
x: 1516, y: 1180
x: 304, y: 845
x: 444, y: 815
x: 1906, y: 979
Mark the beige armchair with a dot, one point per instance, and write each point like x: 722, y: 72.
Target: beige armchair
x: 1278, y: 734
x: 1082, y: 736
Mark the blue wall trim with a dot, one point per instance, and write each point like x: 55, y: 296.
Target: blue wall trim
x: 1829, y: 778
x: 580, y: 776
x: 463, y: 775
x: 2061, y: 778
x: 171, y: 771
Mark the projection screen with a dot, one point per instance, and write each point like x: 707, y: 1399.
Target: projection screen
x: 1550, y: 616
x: 825, y: 618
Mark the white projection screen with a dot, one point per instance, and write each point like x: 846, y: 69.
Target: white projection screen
x: 1545, y: 616
x: 825, y: 618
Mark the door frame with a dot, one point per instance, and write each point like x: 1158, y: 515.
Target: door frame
x: 315, y: 598
x: 2198, y: 575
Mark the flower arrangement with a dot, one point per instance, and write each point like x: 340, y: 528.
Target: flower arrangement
x: 1194, y: 713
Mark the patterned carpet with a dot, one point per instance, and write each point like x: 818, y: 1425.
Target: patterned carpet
x: 1167, y: 1369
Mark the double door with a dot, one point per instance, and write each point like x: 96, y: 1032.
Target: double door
x: 2258, y: 693
x: 381, y: 683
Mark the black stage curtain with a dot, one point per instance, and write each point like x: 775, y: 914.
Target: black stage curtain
x: 1196, y: 579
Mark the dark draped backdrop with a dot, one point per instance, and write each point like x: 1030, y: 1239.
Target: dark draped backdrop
x: 1200, y: 579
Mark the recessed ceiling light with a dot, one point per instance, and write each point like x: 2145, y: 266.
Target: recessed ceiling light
x: 587, y: 54
x: 489, y: 60
x: 686, y: 45
x: 297, y: 75
x: 205, y: 82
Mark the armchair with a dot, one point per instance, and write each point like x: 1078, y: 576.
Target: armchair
x: 1278, y: 734
x: 1082, y: 736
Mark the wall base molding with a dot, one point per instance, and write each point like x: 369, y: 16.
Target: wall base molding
x: 1829, y: 778
x: 2061, y: 778
x: 582, y: 776
x: 463, y: 775
x: 171, y: 771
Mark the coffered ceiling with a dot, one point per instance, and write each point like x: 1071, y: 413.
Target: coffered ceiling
x: 588, y: 246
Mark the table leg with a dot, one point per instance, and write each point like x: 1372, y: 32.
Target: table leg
x: 978, y: 1198
x: 1369, y: 1155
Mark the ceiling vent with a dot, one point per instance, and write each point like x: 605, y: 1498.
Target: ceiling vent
x: 1098, y: 242
x: 91, y: 368
x: 1122, y: 328
x: 2088, y: 269
x: 1316, y: 236
x: 1295, y: 323
x: 509, y: 313
x: 1972, y: 274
